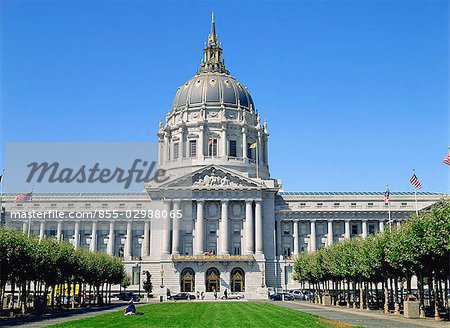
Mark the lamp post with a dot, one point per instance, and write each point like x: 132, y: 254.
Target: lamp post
x: 139, y: 265
x: 162, y: 277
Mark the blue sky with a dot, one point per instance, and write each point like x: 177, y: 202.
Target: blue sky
x: 355, y: 92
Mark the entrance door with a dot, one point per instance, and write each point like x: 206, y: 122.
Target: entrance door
x: 237, y: 280
x: 212, y: 280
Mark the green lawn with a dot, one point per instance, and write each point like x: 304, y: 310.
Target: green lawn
x: 206, y: 314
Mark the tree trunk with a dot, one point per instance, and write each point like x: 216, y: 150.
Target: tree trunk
x: 386, y: 296
x: 420, y: 294
x: 396, y: 304
x: 361, y: 295
x: 436, y: 301
x: 348, y: 293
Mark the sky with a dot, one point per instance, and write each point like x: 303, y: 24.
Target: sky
x: 355, y: 93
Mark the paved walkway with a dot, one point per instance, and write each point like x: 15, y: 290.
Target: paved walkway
x: 52, y: 319
x: 369, y: 319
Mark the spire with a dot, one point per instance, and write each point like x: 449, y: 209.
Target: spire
x: 212, y: 52
x: 213, y: 24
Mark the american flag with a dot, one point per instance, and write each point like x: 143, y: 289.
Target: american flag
x: 386, y: 197
x: 24, y: 197
x: 446, y: 160
x: 415, y: 181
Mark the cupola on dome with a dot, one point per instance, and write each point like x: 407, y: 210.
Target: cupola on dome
x: 212, y: 85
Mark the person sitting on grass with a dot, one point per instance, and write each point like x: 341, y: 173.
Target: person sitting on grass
x: 130, y: 309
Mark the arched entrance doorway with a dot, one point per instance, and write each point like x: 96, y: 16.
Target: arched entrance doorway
x: 187, y: 280
x: 212, y: 280
x: 237, y: 280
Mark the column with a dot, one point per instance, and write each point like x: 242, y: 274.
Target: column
x: 279, y: 248
x: 330, y: 233
x: 249, y: 236
x: 146, y: 242
x: 224, y: 236
x: 347, y: 229
x: 381, y: 226
x: 244, y: 143
x: 224, y: 142
x: 25, y: 226
x: 166, y: 229
x: 166, y: 148
x: 176, y: 228
x: 76, y: 235
x: 42, y: 230
x: 364, y: 228
x: 128, y: 241
x: 180, y: 155
x: 200, y: 229
x: 111, y: 239
x: 296, y: 243
x: 312, y: 237
x: 258, y: 227
x: 201, y: 147
x: 93, y: 245
x: 399, y: 222
x: 59, y: 231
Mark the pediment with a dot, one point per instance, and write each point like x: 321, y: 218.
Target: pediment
x: 213, y: 178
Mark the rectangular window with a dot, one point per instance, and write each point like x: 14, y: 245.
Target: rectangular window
x: 337, y: 204
x: 371, y: 229
x: 302, y: 204
x: 287, y: 250
x: 354, y: 229
x: 212, y: 228
x: 188, y: 247
x: 353, y: 204
x: 370, y: 204
x: 236, y: 228
x: 176, y: 150
x: 237, y: 248
x: 232, y: 148
x: 319, y: 204
x: 192, y: 148
x: 53, y: 205
x: 249, y: 151
x: 212, y: 147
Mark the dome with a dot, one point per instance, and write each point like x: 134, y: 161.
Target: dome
x: 212, y: 88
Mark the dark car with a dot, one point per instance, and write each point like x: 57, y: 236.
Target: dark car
x: 182, y: 296
x: 128, y: 296
x: 279, y: 297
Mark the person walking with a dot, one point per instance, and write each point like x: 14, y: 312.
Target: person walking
x: 198, y: 295
x: 215, y: 294
x: 225, y: 294
x: 203, y: 295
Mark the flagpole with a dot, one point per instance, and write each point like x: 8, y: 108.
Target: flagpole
x: 389, y: 210
x: 257, y: 159
x: 29, y: 214
x: 1, y: 196
x: 415, y: 195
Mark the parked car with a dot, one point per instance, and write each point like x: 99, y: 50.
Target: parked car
x: 182, y: 296
x: 234, y: 296
x: 279, y: 297
x: 128, y: 296
x: 298, y: 295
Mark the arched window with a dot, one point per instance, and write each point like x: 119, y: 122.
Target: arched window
x: 237, y: 280
x: 187, y: 280
x: 212, y: 280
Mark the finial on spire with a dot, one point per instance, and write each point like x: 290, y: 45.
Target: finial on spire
x: 212, y: 52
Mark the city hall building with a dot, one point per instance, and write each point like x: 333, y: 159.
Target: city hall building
x: 230, y: 225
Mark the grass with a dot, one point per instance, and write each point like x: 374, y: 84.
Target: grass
x: 207, y: 314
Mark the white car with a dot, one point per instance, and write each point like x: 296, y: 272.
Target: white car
x: 234, y: 296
